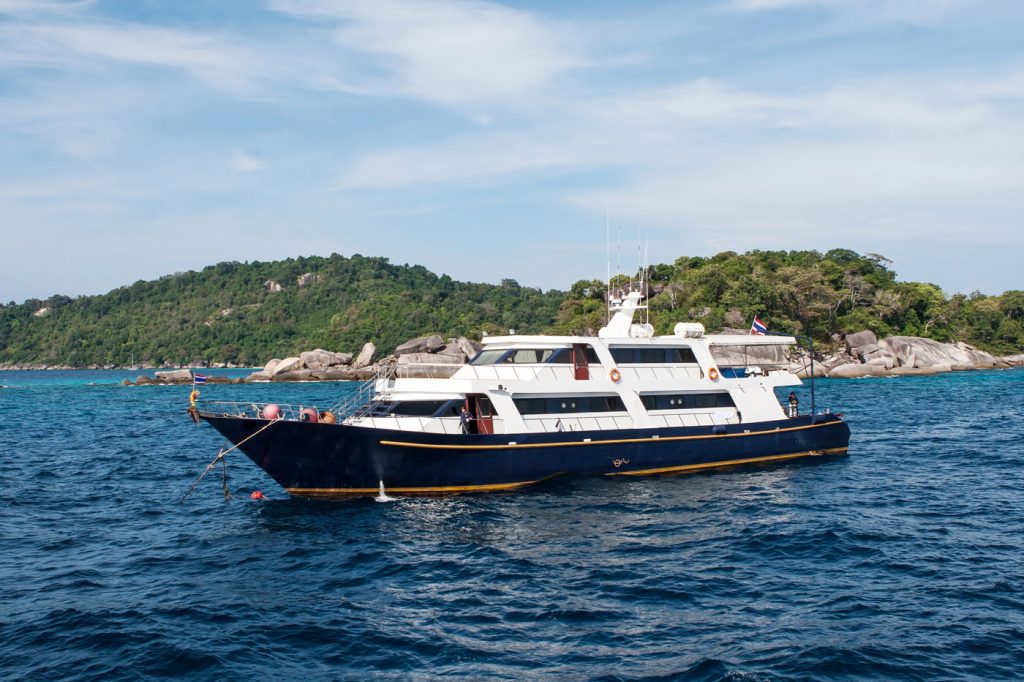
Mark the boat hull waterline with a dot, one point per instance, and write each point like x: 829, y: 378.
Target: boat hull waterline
x: 334, y: 460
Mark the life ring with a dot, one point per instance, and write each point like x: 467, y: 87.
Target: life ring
x: 615, y: 375
x: 713, y: 374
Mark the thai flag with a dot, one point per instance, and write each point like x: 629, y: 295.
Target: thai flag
x: 198, y: 379
x: 758, y: 327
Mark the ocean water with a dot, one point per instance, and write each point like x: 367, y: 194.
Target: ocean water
x: 903, y: 560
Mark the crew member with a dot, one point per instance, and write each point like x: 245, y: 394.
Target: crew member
x: 467, y: 419
x: 793, y: 404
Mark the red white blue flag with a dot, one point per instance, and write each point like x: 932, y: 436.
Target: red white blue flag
x: 198, y: 379
x: 758, y: 327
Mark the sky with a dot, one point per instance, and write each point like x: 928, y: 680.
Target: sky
x: 140, y: 138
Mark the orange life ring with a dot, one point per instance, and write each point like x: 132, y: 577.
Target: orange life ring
x: 615, y: 375
x: 713, y: 374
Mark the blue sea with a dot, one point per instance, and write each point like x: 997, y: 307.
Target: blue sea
x: 903, y: 560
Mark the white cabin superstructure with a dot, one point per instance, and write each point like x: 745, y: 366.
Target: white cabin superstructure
x: 624, y: 378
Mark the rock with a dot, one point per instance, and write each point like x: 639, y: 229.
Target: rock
x: 431, y: 359
x: 884, y: 361
x: 127, y: 382
x: 913, y: 371
x: 1013, y: 360
x: 365, y: 356
x: 803, y: 370
x: 468, y: 347
x: 453, y: 350
x: 343, y: 374
x: 321, y: 359
x: 835, y: 360
x: 862, y: 338
x: 294, y: 375
x: 271, y: 366
x: 423, y: 344
x: 913, y: 351
x: 286, y: 365
x: 307, y: 279
x: 271, y: 286
x: 259, y: 376
x: 142, y: 380
x: 856, y: 371
x: 866, y: 349
x: 175, y: 376
x: 745, y: 356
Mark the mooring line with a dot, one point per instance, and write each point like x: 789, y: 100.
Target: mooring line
x: 220, y: 456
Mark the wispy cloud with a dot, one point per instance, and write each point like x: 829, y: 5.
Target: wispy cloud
x: 710, y: 123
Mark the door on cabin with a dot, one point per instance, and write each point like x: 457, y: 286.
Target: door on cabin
x: 484, y: 413
x: 580, y: 365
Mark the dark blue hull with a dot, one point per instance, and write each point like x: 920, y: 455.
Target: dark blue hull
x: 323, y: 460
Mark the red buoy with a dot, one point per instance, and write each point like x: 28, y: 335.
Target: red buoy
x: 256, y: 495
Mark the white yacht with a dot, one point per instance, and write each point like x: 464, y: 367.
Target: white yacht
x: 527, y: 408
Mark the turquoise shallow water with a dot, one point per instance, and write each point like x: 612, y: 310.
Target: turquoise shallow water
x: 904, y: 560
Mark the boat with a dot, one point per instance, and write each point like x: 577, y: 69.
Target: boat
x: 528, y: 408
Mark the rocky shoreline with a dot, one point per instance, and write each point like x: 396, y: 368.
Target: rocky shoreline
x: 860, y: 354
x: 423, y: 357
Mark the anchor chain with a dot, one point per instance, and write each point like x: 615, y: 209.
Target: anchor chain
x: 220, y: 458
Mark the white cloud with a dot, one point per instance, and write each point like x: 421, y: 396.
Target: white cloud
x: 455, y: 53
x: 245, y: 162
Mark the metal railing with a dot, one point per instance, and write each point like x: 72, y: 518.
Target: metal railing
x: 225, y: 408
x: 367, y: 395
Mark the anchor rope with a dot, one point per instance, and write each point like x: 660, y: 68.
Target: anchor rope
x: 220, y: 456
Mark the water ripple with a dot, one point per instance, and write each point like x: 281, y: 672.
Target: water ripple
x: 901, y: 561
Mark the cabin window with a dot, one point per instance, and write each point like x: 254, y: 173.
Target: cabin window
x: 530, y: 356
x: 622, y: 356
x: 653, y: 355
x: 569, y: 404
x: 488, y: 357
x: 681, y: 356
x: 687, y: 401
x: 418, y: 408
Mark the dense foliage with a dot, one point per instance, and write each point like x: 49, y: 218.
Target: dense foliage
x: 810, y: 293
x: 225, y: 313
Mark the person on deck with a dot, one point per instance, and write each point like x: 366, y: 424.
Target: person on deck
x: 794, y: 403
x: 467, y: 420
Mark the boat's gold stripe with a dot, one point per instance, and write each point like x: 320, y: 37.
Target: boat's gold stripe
x: 729, y: 462
x: 438, y: 489
x: 316, y: 492
x: 618, y: 441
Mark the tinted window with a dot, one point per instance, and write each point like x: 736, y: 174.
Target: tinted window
x: 418, y: 408
x: 622, y: 356
x: 569, y: 404
x: 652, y: 355
x: 681, y: 356
x: 562, y: 356
x: 687, y: 401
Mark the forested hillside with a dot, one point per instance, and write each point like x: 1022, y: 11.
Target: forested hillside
x: 234, y: 312
x: 810, y: 293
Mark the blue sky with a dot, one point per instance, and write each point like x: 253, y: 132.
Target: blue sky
x: 141, y: 138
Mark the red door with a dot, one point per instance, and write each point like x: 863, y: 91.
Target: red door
x: 580, y: 367
x: 484, y: 416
